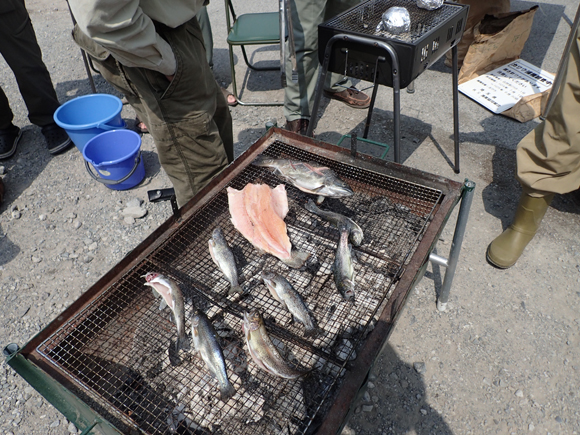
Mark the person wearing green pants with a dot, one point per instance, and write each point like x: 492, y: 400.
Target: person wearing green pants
x: 548, y: 163
x: 299, y: 97
x: 153, y: 52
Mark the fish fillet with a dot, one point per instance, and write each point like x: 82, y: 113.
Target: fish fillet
x: 258, y: 213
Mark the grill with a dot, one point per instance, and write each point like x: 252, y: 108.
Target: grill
x: 432, y: 34
x: 113, y: 347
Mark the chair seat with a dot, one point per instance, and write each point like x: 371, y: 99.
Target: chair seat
x: 260, y: 28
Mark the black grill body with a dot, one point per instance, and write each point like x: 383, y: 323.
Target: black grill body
x: 432, y: 33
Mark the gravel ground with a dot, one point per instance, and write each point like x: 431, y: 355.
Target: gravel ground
x: 505, y: 356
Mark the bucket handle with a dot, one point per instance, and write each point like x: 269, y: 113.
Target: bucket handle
x: 105, y: 126
x: 105, y: 181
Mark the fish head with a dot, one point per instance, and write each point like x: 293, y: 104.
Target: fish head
x: 268, y: 277
x: 150, y: 276
x: 252, y: 321
x: 217, y: 234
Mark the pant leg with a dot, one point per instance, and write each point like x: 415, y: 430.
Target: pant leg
x: 205, y: 25
x: 306, y: 16
x: 188, y: 118
x: 548, y: 158
x: 20, y: 49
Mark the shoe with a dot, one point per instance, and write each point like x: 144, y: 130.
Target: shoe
x: 299, y: 126
x: 56, y: 139
x: 352, y: 97
x: 9, y: 138
x: 505, y: 250
x: 230, y: 98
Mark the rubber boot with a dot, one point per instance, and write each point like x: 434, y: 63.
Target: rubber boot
x: 505, y: 250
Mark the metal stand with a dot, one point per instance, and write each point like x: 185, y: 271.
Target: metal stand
x: 451, y: 263
x: 396, y: 90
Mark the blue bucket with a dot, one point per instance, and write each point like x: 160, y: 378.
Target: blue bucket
x: 85, y: 117
x: 116, y: 156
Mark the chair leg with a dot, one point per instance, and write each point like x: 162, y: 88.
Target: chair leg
x: 235, y: 87
x: 253, y: 66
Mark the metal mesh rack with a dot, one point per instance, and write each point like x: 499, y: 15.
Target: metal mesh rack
x: 114, y: 348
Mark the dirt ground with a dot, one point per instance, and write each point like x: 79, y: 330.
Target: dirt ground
x: 504, y: 358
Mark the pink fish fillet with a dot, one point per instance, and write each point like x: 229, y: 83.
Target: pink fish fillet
x: 267, y: 223
x: 280, y: 200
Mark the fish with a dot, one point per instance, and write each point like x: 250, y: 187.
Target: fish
x: 308, y: 177
x: 263, y: 351
x: 223, y: 257
x: 171, y: 296
x: 338, y: 220
x: 205, y: 341
x: 343, y: 268
x: 258, y: 213
x: 286, y: 294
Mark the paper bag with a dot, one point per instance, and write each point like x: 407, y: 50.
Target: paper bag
x: 498, y: 39
x: 477, y: 10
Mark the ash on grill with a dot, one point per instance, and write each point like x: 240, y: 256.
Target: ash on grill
x: 121, y: 348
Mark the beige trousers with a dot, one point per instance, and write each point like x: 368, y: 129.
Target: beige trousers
x: 548, y: 158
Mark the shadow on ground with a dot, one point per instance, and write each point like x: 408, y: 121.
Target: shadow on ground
x: 400, y: 405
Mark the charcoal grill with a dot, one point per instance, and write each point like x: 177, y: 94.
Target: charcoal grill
x: 354, y: 47
x: 107, y: 360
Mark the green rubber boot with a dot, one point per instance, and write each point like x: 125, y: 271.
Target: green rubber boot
x: 505, y: 250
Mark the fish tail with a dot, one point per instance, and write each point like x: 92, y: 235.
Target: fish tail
x: 235, y: 289
x: 227, y: 392
x: 297, y: 259
x: 182, y: 343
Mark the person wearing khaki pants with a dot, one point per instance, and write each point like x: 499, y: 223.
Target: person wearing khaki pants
x: 548, y: 163
x: 153, y: 52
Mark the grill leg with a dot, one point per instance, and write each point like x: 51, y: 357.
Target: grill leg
x: 467, y: 197
x: 455, y: 108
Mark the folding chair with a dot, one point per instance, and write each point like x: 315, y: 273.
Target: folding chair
x: 251, y: 29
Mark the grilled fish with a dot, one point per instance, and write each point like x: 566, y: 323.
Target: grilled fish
x: 171, y: 296
x: 287, y: 295
x: 205, y: 340
x: 308, y: 177
x: 223, y: 257
x: 263, y: 351
x: 338, y: 220
x: 343, y: 268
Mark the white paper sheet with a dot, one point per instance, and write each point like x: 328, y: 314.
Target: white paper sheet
x: 500, y: 89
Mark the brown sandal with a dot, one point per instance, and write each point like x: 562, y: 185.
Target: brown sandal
x: 352, y: 97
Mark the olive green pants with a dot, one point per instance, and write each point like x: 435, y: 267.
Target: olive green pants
x: 306, y: 16
x: 188, y: 117
x: 548, y: 158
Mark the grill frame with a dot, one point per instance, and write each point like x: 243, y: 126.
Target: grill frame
x: 331, y: 422
x: 416, y: 50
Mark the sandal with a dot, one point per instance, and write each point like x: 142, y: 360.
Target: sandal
x: 227, y: 95
x: 352, y: 97
x: 140, y: 126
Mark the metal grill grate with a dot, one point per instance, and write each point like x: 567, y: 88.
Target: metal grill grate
x: 365, y: 18
x: 118, y: 349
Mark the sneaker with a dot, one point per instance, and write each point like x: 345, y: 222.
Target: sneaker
x: 9, y: 138
x: 56, y: 139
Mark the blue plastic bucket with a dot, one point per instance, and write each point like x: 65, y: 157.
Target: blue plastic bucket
x: 85, y: 117
x: 116, y: 156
